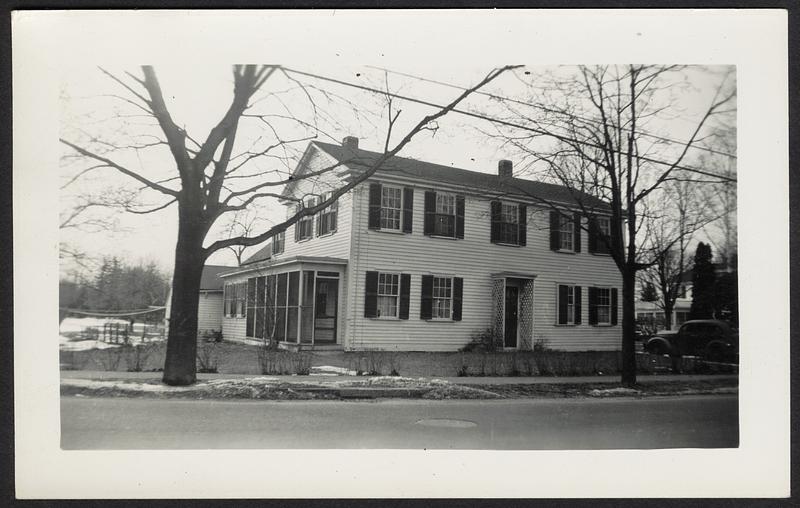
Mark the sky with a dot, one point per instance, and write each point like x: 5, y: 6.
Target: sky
x: 93, y: 107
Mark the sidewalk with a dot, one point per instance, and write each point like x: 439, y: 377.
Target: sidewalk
x: 467, y: 380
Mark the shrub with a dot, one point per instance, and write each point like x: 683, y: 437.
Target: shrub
x: 207, y: 357
x: 301, y: 363
x: 108, y: 359
x: 136, y: 356
x: 485, y: 340
x: 393, y: 359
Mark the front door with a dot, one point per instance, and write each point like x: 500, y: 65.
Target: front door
x: 327, y: 301
x: 512, y: 311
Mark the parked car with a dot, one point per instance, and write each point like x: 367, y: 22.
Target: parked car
x: 710, y: 339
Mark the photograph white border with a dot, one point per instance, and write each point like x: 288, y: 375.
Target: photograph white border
x: 46, y: 42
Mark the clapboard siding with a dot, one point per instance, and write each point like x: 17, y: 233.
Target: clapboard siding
x: 234, y: 328
x: 336, y: 244
x: 474, y: 259
x: 209, y: 311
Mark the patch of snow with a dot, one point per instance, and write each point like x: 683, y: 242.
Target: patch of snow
x: 133, y: 386
x: 66, y: 344
x: 77, y: 325
x: 329, y: 370
x: 613, y: 391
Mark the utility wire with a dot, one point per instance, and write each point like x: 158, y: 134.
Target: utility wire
x: 549, y: 110
x: 502, y: 122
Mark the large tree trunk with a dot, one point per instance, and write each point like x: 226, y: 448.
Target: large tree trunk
x: 628, y: 327
x: 668, y: 308
x: 180, y: 365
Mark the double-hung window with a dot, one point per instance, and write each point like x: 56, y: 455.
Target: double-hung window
x: 326, y: 220
x: 278, y: 241
x: 603, y: 306
x: 391, y: 207
x: 388, y: 294
x: 304, y: 228
x: 442, y: 302
x: 509, y: 220
x: 445, y: 221
x: 604, y: 226
x: 566, y: 231
x: 569, y: 305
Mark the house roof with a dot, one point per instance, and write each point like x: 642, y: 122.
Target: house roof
x: 545, y: 192
x: 210, y: 280
x: 262, y: 254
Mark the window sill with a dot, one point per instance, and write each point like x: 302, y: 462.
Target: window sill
x: 327, y: 234
x: 385, y: 318
x: 390, y: 231
x: 440, y: 320
x: 602, y: 254
x: 567, y: 325
x: 565, y: 251
x: 301, y: 240
x: 443, y: 237
x: 603, y: 325
x: 508, y: 244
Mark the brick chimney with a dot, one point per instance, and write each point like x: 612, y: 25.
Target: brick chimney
x: 350, y: 142
x: 505, y: 168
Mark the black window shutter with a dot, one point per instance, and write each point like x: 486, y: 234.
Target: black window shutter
x: 371, y: 297
x: 374, y: 221
x: 458, y: 296
x: 459, y: 216
x: 523, y: 225
x: 405, y: 292
x: 496, y: 216
x: 319, y: 223
x: 592, y: 306
x: 555, y: 239
x: 297, y: 228
x: 408, y: 209
x: 593, y: 229
x: 576, y: 242
x: 577, y: 305
x: 614, y: 307
x: 426, y: 303
x: 430, y: 212
x: 612, y: 239
x: 562, y: 304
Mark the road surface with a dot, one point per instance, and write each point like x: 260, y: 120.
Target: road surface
x: 531, y: 424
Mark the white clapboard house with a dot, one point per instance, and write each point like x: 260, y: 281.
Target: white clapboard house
x: 420, y: 257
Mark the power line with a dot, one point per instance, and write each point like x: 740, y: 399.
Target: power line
x: 549, y: 110
x: 503, y: 122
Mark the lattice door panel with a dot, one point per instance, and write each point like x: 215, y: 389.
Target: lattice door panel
x: 526, y: 316
x: 498, y: 308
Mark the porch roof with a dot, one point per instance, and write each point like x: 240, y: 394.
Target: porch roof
x: 274, y: 263
x: 513, y: 275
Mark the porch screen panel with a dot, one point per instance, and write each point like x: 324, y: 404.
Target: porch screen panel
x: 526, y: 316
x: 251, y: 306
x: 269, y: 307
x: 292, y: 309
x: 260, y: 306
x: 307, y: 325
x: 280, y: 306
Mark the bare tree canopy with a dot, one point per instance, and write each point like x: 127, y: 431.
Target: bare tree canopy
x: 595, y: 130
x: 220, y: 173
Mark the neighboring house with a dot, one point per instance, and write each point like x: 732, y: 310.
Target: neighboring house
x: 421, y: 256
x: 209, y: 310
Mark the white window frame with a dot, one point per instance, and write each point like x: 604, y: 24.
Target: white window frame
x: 240, y: 301
x: 566, y: 231
x: 326, y: 214
x: 279, y: 239
x: 306, y: 223
x: 436, y: 301
x: 445, y: 206
x: 505, y: 213
x: 383, y: 295
x: 599, y: 306
x: 385, y: 209
x: 570, y: 306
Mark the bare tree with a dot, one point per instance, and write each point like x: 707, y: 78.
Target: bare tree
x: 586, y: 128
x: 211, y: 179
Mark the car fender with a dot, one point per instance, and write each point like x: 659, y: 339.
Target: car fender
x: 656, y: 342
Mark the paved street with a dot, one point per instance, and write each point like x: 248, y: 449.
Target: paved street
x: 668, y: 422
